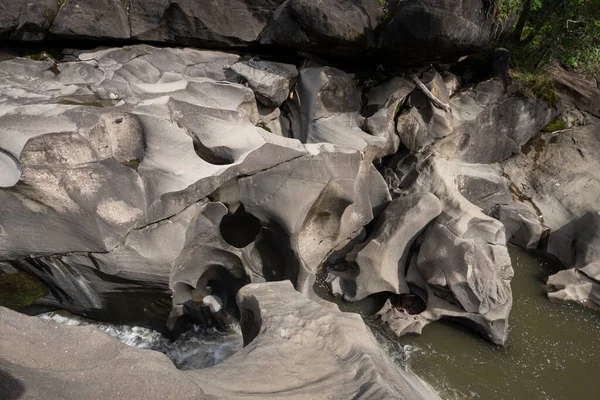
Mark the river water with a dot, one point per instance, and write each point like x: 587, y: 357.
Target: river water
x: 553, y: 351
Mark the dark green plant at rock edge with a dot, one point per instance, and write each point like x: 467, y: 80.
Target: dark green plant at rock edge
x: 20, y: 290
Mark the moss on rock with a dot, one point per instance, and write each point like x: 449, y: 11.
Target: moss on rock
x: 556, y: 125
x: 19, y: 290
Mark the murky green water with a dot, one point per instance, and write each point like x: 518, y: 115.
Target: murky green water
x: 553, y: 351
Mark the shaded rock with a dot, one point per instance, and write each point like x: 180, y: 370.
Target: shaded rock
x: 500, y: 63
x: 425, y: 30
x: 332, y: 27
x: 35, y: 19
x: 491, y: 122
x: 221, y: 23
x: 269, y: 80
x: 98, y: 19
x: 420, y: 123
x: 556, y: 166
x: 577, y: 90
x: 382, y: 258
x: 9, y: 15
x: 276, y: 320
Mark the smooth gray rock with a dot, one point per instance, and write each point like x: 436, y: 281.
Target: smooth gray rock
x: 326, y: 108
x: 270, y: 81
x: 382, y: 258
x: 387, y: 98
x: 463, y: 264
x: 277, y: 322
x: 122, y: 153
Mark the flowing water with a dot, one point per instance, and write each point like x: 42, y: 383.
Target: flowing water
x: 197, y: 348
x: 553, y: 350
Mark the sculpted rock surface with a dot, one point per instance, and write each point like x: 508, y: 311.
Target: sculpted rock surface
x: 462, y: 268
x: 147, y: 171
x: 382, y: 259
x: 278, y: 324
x: 558, y: 173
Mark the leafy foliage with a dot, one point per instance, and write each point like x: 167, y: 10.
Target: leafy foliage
x: 563, y: 30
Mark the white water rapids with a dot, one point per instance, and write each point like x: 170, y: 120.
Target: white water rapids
x: 195, y: 349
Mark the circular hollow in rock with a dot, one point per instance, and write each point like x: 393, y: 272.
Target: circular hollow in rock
x: 240, y: 229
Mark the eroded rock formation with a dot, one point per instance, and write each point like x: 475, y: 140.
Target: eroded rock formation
x: 286, y: 336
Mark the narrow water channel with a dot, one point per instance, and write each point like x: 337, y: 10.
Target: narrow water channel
x: 195, y: 349
x: 553, y: 350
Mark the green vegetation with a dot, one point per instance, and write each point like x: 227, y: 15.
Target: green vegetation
x: 40, y: 56
x: 557, y: 125
x: 538, y: 84
x: 19, y: 290
x: 567, y: 31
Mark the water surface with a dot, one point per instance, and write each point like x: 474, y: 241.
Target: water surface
x: 553, y: 350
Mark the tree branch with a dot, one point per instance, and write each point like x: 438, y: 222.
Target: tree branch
x: 436, y: 102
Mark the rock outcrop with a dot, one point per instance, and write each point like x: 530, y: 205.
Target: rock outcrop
x: 122, y: 168
x: 285, y: 335
x: 557, y: 173
x: 408, y: 32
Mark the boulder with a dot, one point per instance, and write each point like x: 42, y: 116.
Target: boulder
x: 548, y: 173
x: 420, y: 123
x: 220, y: 23
x: 575, y: 285
x: 35, y: 19
x: 276, y: 322
x: 334, y: 27
x: 462, y: 268
x: 382, y: 258
x: 86, y: 19
x: 492, y: 122
x: 420, y: 31
x: 577, y: 90
x: 270, y: 81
